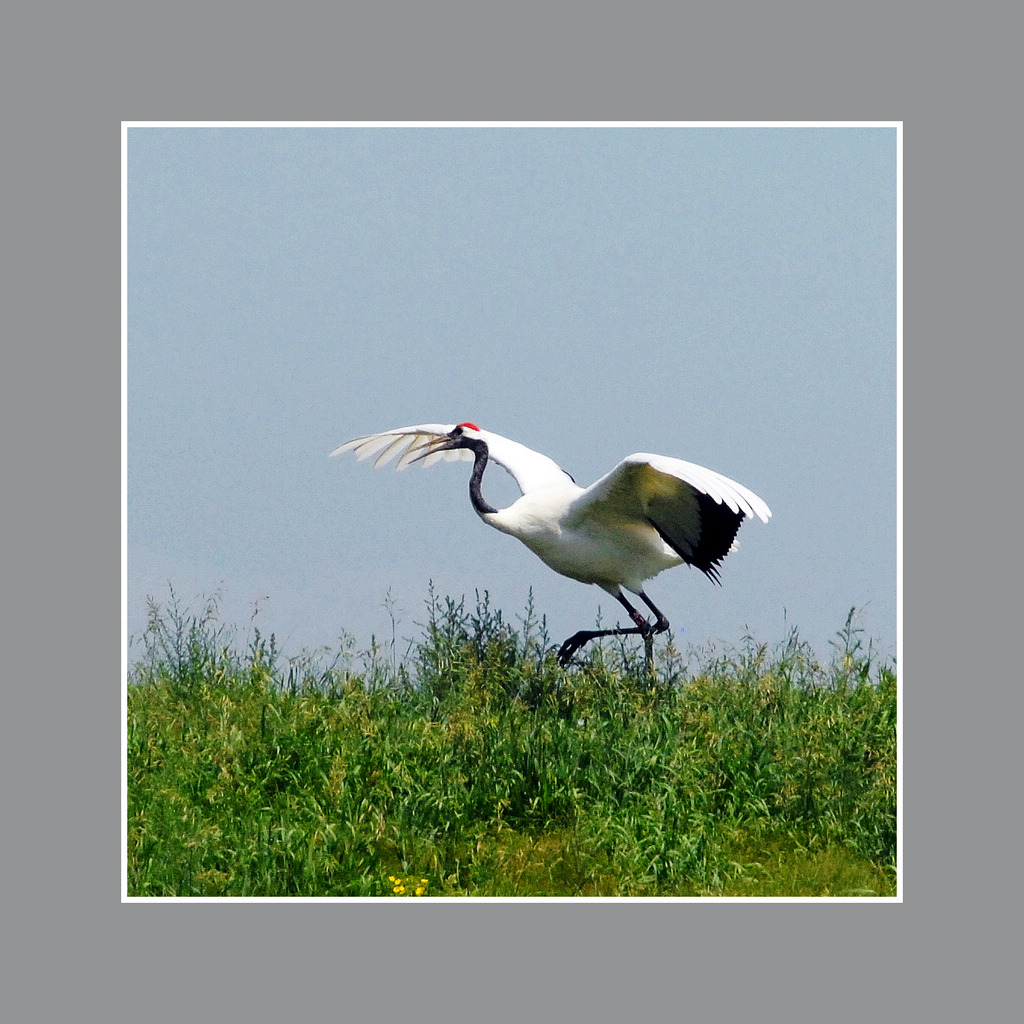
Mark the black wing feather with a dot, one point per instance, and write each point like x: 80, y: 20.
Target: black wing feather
x: 719, y: 525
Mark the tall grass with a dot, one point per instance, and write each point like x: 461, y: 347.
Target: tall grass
x: 474, y: 765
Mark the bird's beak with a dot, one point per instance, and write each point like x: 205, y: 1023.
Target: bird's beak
x: 435, y: 444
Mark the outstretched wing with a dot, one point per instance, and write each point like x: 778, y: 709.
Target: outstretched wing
x: 405, y: 442
x: 528, y: 468
x: 696, y: 511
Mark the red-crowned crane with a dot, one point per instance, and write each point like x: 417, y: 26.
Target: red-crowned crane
x: 649, y: 513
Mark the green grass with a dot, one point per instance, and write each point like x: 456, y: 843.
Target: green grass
x: 475, y: 766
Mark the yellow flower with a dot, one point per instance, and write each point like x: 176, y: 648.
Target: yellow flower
x: 402, y: 886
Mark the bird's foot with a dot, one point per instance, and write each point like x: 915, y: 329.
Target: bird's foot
x: 573, y: 644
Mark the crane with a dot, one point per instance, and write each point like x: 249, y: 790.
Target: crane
x: 650, y: 513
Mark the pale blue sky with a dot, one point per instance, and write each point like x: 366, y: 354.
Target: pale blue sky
x: 726, y: 296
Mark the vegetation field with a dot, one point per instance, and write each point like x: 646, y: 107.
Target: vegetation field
x: 472, y: 765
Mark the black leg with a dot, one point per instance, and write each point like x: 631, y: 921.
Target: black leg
x: 643, y: 627
x: 662, y: 624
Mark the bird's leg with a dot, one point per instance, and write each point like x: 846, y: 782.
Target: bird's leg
x: 662, y: 623
x: 643, y: 627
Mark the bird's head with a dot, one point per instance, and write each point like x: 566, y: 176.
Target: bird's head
x: 465, y: 435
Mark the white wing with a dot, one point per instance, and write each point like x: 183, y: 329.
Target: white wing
x: 405, y: 442
x: 696, y: 511
x: 528, y: 468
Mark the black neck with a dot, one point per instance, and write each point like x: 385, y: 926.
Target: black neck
x: 479, y: 449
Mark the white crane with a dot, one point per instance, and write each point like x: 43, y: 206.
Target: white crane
x: 649, y: 513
